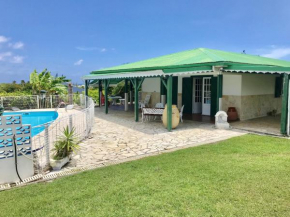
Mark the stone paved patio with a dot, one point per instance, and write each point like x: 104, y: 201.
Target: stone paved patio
x: 268, y: 124
x: 116, y: 137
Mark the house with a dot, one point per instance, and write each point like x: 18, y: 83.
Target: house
x: 206, y: 81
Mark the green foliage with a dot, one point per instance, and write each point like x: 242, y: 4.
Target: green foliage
x: 45, y: 81
x: 21, y: 102
x: 119, y: 89
x: 94, y: 93
x: 16, y: 93
x: 6, y: 88
x: 66, y: 144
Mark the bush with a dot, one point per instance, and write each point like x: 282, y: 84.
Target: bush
x: 66, y: 144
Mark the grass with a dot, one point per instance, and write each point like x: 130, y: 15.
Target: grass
x: 242, y: 176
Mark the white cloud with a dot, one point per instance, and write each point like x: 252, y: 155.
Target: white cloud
x: 103, y: 50
x: 17, y: 45
x: 17, y: 59
x: 3, y: 39
x: 3, y: 56
x: 277, y: 53
x: 79, y: 62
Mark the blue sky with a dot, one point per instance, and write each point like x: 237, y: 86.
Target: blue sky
x: 75, y: 37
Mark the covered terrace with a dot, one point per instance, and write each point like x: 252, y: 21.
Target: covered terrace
x: 204, y: 63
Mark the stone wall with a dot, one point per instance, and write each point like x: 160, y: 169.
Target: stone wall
x: 252, y: 106
x: 155, y: 98
x: 231, y: 101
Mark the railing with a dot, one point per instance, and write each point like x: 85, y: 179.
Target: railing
x: 81, y: 119
x: 38, y: 102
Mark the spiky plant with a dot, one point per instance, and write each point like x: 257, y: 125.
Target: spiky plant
x: 66, y: 144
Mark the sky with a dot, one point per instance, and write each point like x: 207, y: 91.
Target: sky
x: 74, y: 37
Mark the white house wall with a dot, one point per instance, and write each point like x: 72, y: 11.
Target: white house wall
x: 151, y: 86
x: 258, y: 84
x: 251, y: 94
x: 232, y: 84
x: 258, y: 96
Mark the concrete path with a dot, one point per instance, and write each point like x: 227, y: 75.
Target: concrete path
x: 116, y: 137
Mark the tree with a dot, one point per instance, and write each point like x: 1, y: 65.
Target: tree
x: 45, y: 81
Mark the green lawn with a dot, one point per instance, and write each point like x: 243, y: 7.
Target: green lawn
x: 242, y: 176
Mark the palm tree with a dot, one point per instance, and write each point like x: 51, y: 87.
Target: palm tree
x: 57, y: 85
x: 45, y: 81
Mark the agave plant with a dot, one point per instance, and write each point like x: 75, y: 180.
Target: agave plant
x: 66, y: 144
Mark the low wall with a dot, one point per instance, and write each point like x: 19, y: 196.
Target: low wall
x: 252, y: 106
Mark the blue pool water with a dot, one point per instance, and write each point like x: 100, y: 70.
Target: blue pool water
x: 35, y: 119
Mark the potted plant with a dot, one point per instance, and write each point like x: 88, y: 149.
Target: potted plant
x: 66, y: 144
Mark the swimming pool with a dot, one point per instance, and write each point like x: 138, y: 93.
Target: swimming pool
x: 35, y: 118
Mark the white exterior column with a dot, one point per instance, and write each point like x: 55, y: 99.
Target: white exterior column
x: 163, y: 99
x: 126, y: 100
x: 131, y: 97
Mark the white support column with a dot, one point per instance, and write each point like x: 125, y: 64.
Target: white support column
x: 131, y: 97
x: 126, y: 101
x: 217, y: 73
x: 163, y: 99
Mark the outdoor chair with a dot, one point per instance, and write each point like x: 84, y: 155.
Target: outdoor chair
x: 145, y: 103
x: 159, y: 105
x: 181, y: 113
x: 15, y: 109
x: 69, y: 107
x: 122, y: 101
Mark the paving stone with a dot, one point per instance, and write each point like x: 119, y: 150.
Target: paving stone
x: 117, y: 136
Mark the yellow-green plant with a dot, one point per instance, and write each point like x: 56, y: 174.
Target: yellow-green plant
x: 66, y: 144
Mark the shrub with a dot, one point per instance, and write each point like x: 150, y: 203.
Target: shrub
x: 66, y: 144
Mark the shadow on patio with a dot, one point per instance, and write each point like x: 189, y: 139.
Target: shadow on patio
x: 118, y: 116
x: 268, y: 125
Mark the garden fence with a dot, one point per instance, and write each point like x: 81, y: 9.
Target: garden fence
x: 81, y: 119
x: 38, y: 101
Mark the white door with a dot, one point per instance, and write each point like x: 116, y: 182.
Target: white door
x: 197, y: 95
x: 206, y: 96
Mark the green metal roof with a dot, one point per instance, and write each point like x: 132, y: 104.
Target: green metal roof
x: 200, y: 57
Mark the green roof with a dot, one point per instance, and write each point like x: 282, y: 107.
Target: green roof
x: 199, y: 57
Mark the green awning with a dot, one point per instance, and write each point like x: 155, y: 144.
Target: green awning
x: 112, y: 81
x: 195, y: 61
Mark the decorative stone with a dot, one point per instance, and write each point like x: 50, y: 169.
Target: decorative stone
x: 221, y: 120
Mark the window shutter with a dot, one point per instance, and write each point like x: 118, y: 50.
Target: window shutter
x: 278, y: 87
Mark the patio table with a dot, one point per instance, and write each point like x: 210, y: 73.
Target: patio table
x: 151, y: 112
x: 114, y: 98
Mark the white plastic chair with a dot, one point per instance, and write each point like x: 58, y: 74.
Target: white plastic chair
x: 181, y: 113
x: 15, y: 109
x: 145, y: 103
x: 159, y: 105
